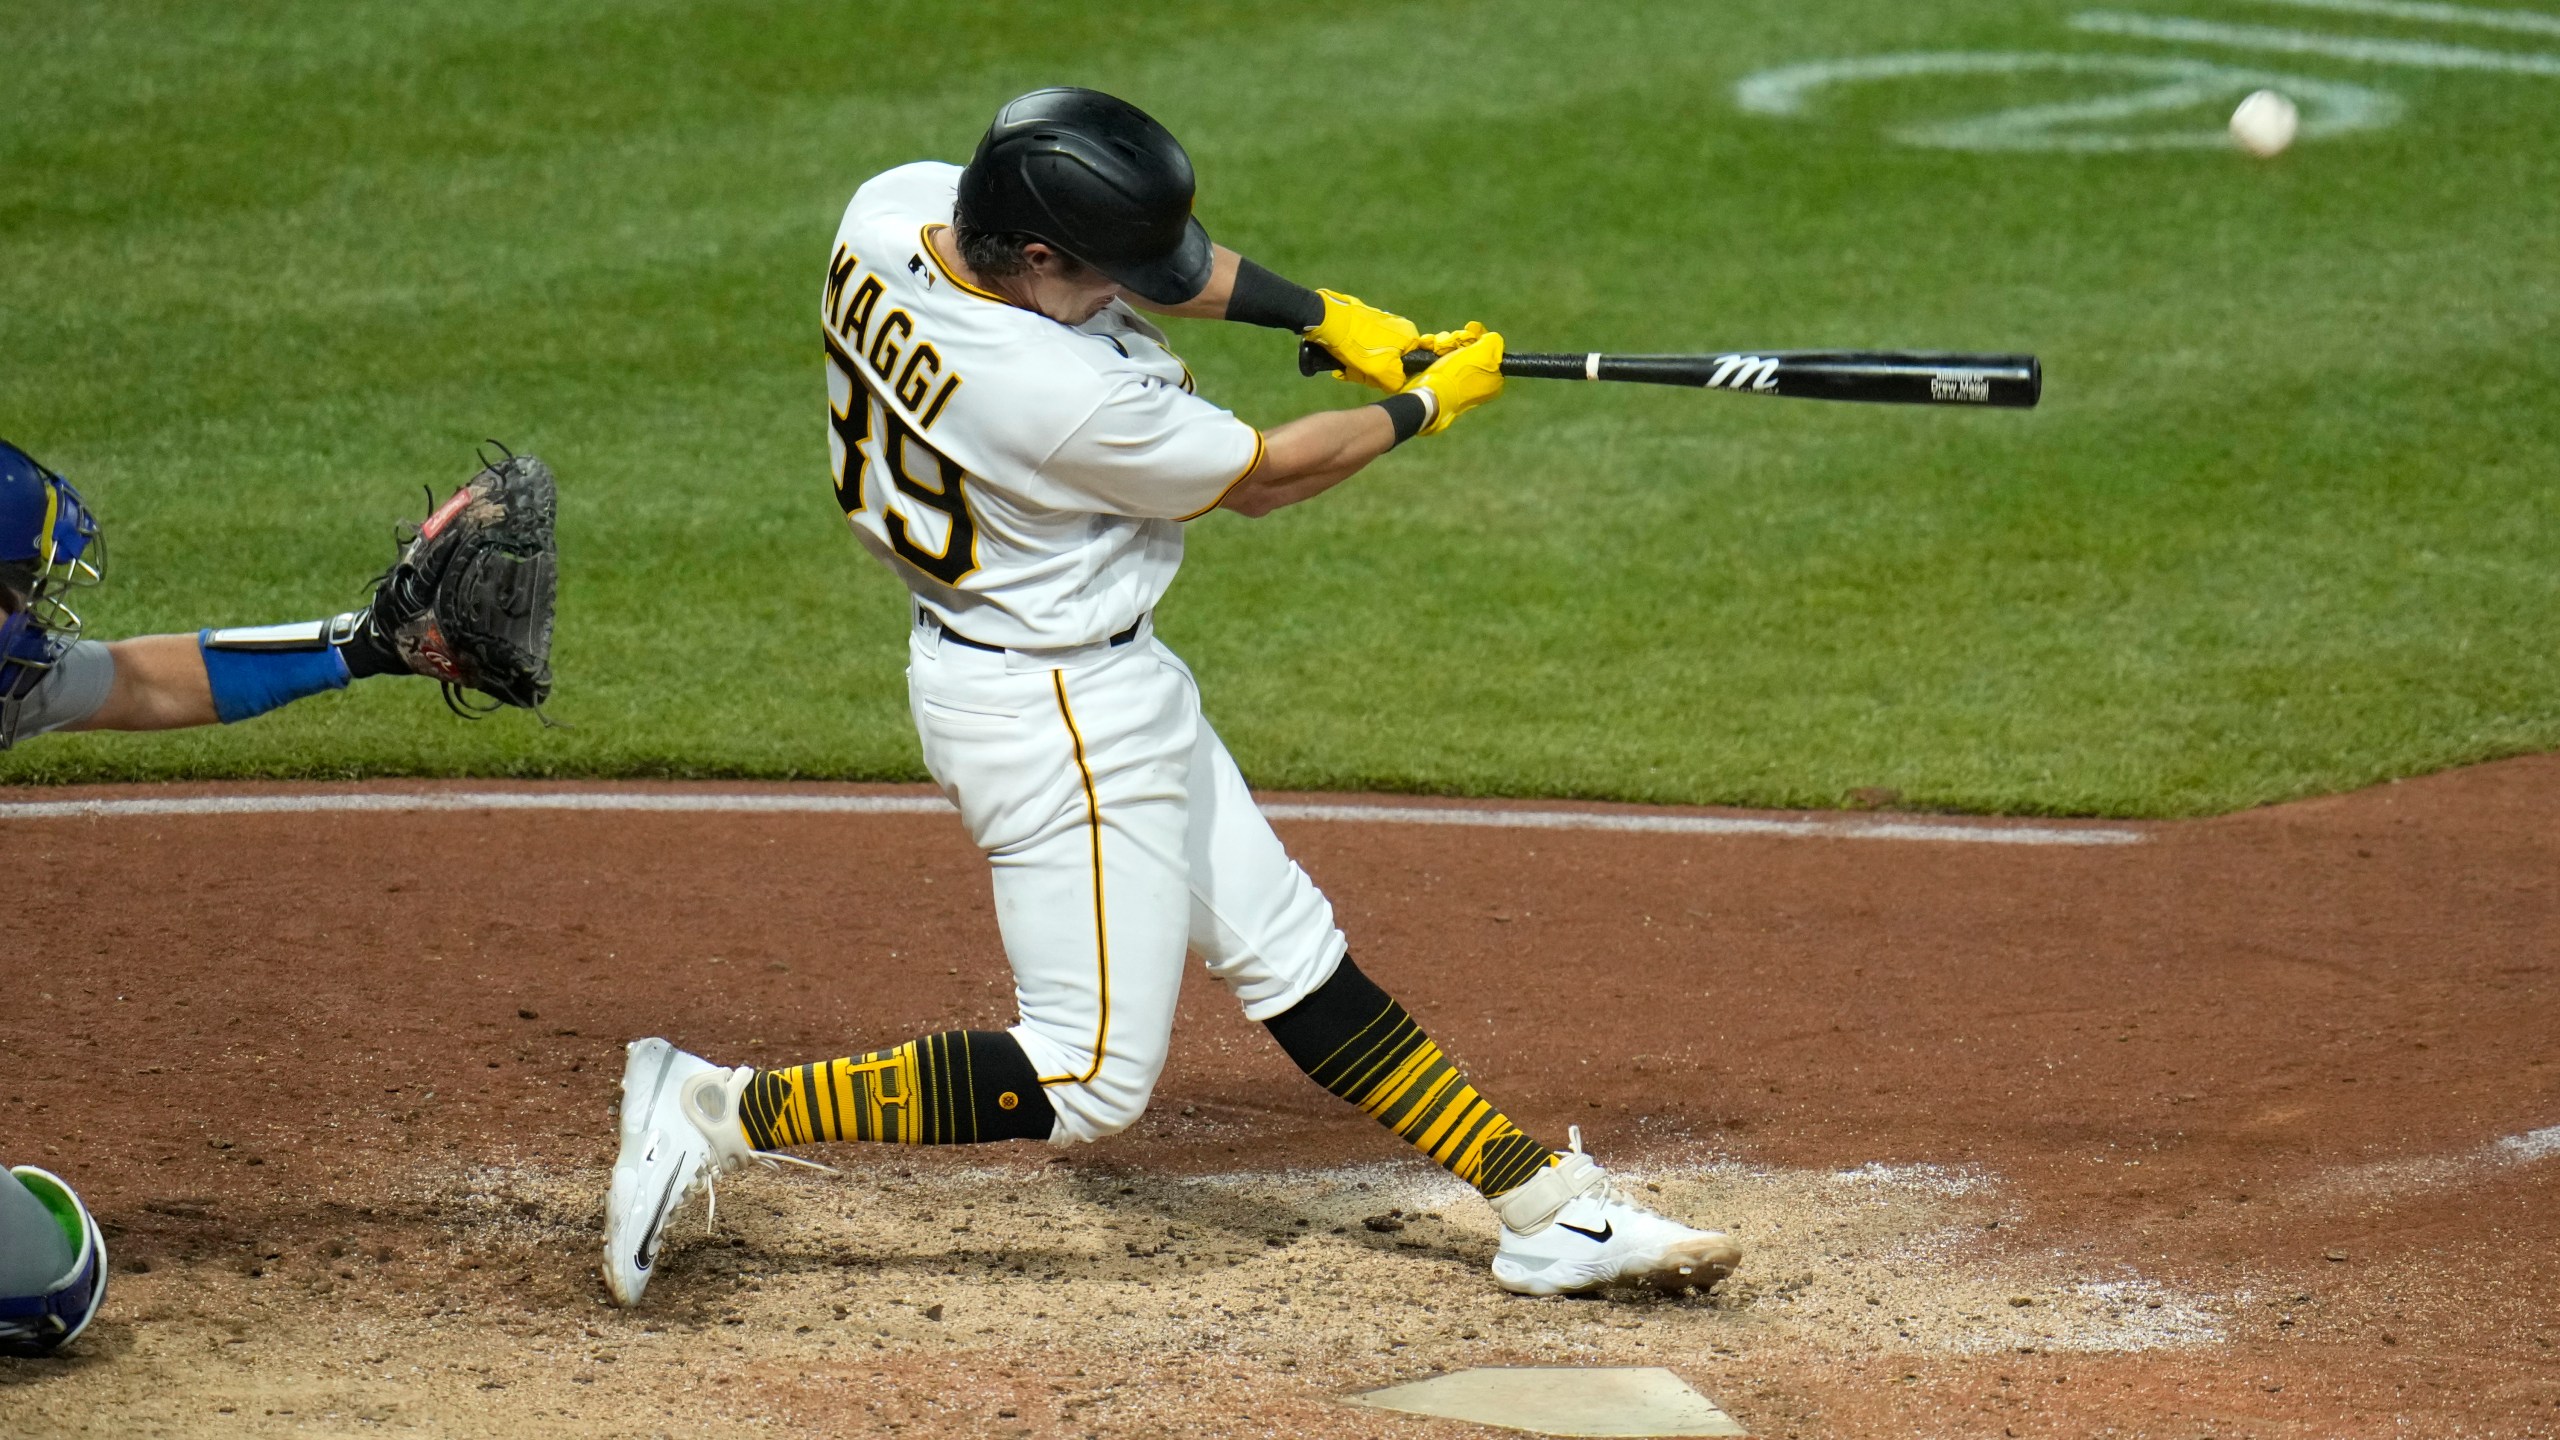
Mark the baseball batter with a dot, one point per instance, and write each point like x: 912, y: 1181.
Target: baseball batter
x: 1022, y: 449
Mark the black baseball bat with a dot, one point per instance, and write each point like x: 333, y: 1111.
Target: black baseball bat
x: 2010, y: 382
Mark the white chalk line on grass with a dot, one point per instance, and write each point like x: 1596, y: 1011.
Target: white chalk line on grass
x: 2169, y: 85
x: 2421, y: 54
x: 2525, y: 22
x: 660, y: 802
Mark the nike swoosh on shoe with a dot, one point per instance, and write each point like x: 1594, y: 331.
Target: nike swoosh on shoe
x: 648, y: 1252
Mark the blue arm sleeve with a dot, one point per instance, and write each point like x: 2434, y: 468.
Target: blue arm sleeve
x: 253, y: 682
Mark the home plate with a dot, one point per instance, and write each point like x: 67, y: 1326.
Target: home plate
x: 1562, y: 1400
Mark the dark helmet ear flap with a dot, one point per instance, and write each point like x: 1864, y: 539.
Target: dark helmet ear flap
x: 1098, y: 178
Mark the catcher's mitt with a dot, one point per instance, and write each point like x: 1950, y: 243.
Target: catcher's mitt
x: 469, y: 602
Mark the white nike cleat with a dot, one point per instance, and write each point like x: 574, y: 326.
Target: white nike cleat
x: 1568, y: 1232
x: 679, y: 1129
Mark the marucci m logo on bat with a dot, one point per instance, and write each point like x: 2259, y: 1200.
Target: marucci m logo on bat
x: 1744, y: 372
x: 1961, y: 386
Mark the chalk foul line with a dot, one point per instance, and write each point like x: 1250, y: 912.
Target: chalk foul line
x: 662, y: 802
x: 1980, y: 834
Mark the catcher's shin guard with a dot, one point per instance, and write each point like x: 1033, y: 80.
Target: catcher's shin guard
x: 55, y: 1314
x: 469, y: 602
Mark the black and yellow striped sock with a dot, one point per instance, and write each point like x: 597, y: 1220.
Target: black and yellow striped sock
x: 1353, y: 1039
x: 960, y: 1087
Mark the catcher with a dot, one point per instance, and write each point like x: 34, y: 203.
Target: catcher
x: 468, y: 603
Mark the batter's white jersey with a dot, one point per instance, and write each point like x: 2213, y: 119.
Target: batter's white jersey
x: 1026, y: 479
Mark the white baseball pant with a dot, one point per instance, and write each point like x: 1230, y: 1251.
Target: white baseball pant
x: 1120, y: 834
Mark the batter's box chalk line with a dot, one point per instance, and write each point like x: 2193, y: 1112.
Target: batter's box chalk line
x: 2416, y: 1174
x: 2540, y: 1144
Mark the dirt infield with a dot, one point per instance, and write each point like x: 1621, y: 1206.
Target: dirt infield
x: 2251, y: 1128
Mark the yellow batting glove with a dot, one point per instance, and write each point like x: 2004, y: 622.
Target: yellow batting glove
x: 1466, y: 376
x: 1369, y: 342
x: 1447, y: 340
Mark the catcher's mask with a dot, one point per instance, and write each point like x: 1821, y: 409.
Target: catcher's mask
x: 1098, y: 178
x: 49, y: 546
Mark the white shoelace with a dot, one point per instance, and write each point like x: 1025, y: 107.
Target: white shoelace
x: 1602, y: 1191
x: 728, y: 1156
x: 771, y: 1159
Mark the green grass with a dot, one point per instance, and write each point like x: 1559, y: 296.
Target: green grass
x: 2286, y: 523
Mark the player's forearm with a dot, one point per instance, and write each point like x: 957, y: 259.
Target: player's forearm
x: 160, y: 684
x: 1211, y: 302
x: 1312, y: 454
x: 1244, y: 292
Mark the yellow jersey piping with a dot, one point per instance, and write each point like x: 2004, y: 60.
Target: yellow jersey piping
x: 1260, y: 448
x: 924, y: 237
x: 1101, y: 927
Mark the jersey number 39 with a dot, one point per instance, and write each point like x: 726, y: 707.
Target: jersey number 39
x: 861, y: 420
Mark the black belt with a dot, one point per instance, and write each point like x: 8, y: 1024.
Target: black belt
x: 955, y: 637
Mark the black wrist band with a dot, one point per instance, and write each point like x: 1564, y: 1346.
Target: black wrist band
x: 1409, y: 412
x: 369, y: 652
x: 1262, y: 298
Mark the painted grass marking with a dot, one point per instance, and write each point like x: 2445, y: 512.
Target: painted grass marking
x: 2526, y: 22
x: 2330, y: 107
x: 2423, y: 54
x: 650, y: 802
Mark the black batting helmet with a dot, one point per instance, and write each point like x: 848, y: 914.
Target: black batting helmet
x: 1098, y: 178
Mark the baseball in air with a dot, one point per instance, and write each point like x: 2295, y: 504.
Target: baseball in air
x: 2265, y: 124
